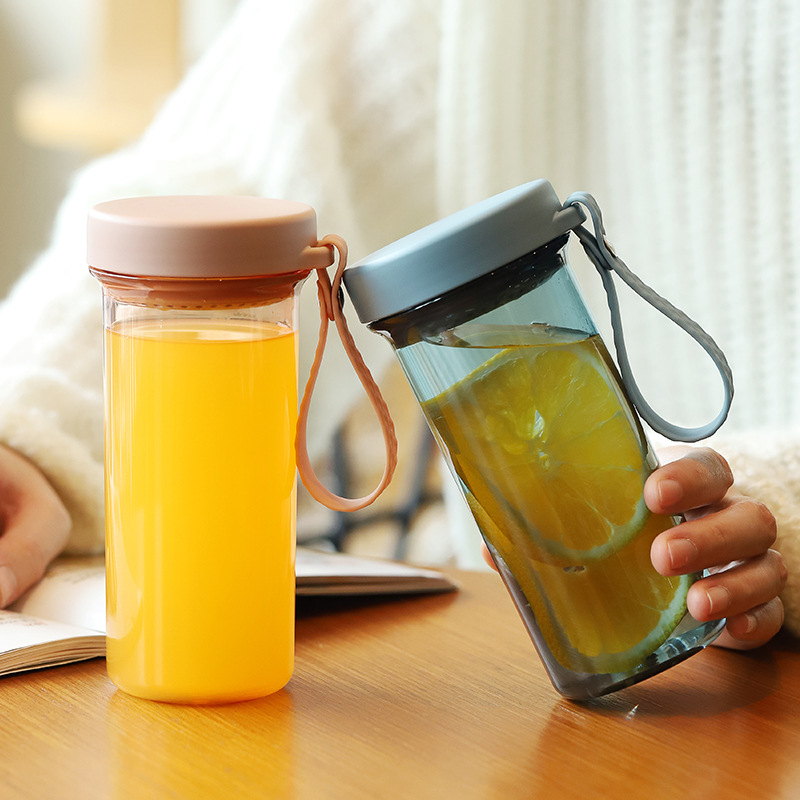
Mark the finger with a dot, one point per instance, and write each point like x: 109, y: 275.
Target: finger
x: 32, y: 539
x: 34, y: 522
x: 26, y: 549
x: 743, y: 528
x: 754, y: 628
x: 736, y: 591
x: 698, y: 479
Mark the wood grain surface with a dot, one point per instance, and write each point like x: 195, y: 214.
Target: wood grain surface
x: 422, y: 697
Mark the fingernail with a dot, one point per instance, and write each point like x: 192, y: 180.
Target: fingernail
x: 669, y: 492
x: 681, y: 552
x: 8, y: 585
x: 750, y: 624
x: 719, y: 598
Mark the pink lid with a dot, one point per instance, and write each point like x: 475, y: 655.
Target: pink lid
x: 201, y: 236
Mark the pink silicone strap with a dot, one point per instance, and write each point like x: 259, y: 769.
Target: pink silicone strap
x: 330, y: 306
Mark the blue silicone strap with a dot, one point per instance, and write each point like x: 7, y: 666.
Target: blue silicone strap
x: 608, y: 263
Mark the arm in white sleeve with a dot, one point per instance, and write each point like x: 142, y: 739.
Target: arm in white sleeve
x: 51, y: 393
x: 766, y: 466
x: 51, y: 406
x: 296, y: 101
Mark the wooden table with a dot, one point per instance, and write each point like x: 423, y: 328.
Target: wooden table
x: 425, y: 697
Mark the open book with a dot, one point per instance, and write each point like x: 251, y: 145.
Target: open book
x: 62, y: 618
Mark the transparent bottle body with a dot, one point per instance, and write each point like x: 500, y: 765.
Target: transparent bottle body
x: 535, y: 425
x: 200, y: 494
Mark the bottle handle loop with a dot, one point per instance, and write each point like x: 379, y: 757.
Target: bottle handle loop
x: 331, y: 299
x: 607, y: 263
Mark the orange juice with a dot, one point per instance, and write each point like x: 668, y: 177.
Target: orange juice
x: 200, y: 507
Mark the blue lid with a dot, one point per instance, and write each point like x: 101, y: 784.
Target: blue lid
x: 457, y: 249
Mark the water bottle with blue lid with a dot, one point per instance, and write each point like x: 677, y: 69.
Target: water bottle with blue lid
x: 540, y: 427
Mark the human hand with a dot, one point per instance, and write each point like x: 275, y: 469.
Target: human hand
x: 34, y: 525
x: 726, y: 533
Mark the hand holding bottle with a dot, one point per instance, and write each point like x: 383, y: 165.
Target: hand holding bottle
x: 725, y: 532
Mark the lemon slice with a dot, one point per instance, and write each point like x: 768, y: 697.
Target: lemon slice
x: 606, y: 617
x: 554, y: 464
x: 545, y: 440
x: 610, y: 615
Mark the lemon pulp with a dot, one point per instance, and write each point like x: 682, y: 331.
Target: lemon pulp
x: 554, y: 464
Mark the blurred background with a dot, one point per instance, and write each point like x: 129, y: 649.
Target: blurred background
x: 84, y: 78
x: 72, y: 87
x: 681, y: 116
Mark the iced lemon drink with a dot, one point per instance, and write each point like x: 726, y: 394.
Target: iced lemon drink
x: 553, y: 464
x: 500, y: 348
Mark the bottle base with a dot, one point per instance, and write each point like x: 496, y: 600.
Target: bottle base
x: 689, y: 638
x: 672, y: 652
x: 195, y: 696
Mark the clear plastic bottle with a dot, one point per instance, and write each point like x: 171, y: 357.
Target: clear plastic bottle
x: 201, y: 408
x: 535, y: 423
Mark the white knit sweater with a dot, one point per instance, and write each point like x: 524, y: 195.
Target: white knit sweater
x: 680, y: 116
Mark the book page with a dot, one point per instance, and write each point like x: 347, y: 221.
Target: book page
x: 62, y: 618
x: 18, y: 631
x: 320, y: 572
x: 30, y: 643
x: 72, y: 592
